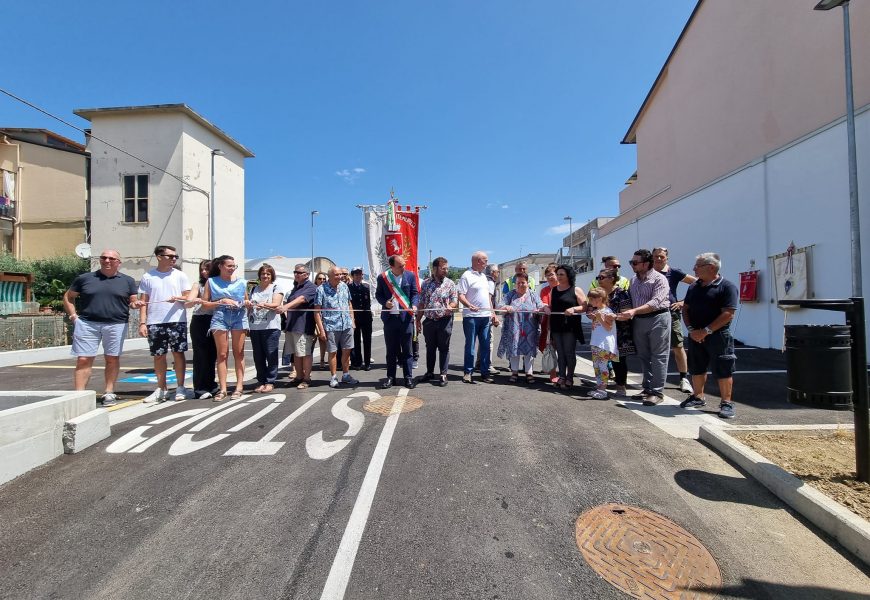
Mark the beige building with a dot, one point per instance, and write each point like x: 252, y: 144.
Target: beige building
x: 43, y: 211
x: 742, y: 150
x: 742, y: 80
x: 578, y: 247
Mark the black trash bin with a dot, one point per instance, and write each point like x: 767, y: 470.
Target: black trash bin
x: 818, y: 360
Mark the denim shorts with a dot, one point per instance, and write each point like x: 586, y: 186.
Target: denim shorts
x: 87, y: 336
x: 229, y: 319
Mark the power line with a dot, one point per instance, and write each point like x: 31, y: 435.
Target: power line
x: 189, y: 185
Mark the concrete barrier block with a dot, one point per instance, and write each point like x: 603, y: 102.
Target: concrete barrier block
x: 25, y: 454
x: 86, y: 430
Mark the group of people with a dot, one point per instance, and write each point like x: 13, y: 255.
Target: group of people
x: 640, y: 316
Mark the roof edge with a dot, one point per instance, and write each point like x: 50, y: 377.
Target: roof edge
x: 629, y: 137
x: 88, y: 113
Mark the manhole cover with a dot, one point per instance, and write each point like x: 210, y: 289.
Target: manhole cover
x: 384, y: 405
x: 646, y: 555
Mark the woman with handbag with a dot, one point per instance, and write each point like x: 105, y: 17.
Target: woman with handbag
x: 618, y: 301
x: 568, y: 303
x: 549, y: 362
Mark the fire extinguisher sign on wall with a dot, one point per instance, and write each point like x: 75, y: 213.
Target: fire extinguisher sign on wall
x: 749, y: 286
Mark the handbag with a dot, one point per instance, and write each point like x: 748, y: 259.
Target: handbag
x: 548, y: 359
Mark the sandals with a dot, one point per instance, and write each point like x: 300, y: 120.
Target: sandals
x: 220, y: 396
x: 259, y: 389
x: 267, y: 388
x: 512, y: 378
x: 303, y: 385
x: 237, y: 395
x: 530, y: 378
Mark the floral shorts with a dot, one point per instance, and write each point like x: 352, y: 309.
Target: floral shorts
x: 167, y: 337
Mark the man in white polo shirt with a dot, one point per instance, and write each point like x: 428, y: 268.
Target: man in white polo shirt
x: 477, y: 316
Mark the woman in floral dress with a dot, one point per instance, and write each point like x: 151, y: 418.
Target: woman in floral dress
x: 522, y: 322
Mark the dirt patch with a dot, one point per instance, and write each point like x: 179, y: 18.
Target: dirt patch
x: 822, y: 459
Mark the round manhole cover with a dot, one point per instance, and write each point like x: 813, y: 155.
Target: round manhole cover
x: 383, y: 406
x: 646, y: 555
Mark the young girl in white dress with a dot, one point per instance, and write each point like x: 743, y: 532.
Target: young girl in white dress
x: 603, y: 340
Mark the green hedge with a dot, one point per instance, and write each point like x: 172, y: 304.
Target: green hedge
x: 51, y: 276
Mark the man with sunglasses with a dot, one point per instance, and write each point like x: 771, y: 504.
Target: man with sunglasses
x: 651, y: 324
x: 163, y: 320
x: 104, y: 298
x: 611, y: 262
x: 300, y: 324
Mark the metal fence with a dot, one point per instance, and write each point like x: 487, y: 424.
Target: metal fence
x: 43, y: 331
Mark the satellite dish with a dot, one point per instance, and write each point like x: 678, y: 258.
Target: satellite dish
x: 83, y: 250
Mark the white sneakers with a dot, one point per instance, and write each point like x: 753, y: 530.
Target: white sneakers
x: 686, y: 386
x: 158, y: 395
x: 182, y: 393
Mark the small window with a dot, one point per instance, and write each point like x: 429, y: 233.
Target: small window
x: 135, y: 198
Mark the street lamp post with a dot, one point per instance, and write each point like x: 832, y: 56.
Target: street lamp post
x: 211, y: 211
x: 313, y: 212
x: 570, y: 240
x: 854, y: 221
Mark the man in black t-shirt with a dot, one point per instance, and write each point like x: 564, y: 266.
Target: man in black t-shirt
x: 675, y: 277
x: 104, y: 298
x: 708, y: 309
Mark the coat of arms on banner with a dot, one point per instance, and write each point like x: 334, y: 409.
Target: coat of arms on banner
x: 390, y: 230
x: 791, y: 273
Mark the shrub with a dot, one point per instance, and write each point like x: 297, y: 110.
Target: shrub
x: 9, y: 263
x: 51, y: 276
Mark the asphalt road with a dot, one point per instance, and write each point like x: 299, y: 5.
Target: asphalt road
x: 473, y: 494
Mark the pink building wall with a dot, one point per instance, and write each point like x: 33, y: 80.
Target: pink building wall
x: 747, y: 78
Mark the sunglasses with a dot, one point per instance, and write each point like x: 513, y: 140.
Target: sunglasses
x: 603, y: 277
x: 300, y: 272
x: 169, y: 256
x: 634, y: 263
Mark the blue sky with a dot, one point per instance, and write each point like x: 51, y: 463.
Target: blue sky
x: 502, y: 116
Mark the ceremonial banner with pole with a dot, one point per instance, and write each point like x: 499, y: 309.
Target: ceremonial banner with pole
x: 390, y: 230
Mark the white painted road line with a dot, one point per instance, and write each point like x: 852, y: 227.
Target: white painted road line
x: 759, y: 372
x: 342, y: 565
x: 265, y: 446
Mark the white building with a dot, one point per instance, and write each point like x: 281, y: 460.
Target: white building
x: 161, y: 194
x: 741, y: 149
x: 535, y: 265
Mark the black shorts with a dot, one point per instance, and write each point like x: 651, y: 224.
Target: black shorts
x: 715, y: 353
x: 167, y: 337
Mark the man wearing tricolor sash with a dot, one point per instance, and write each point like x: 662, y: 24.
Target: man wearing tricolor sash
x: 397, y: 293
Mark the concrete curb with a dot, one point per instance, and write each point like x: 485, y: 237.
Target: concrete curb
x: 86, y: 430
x: 14, y: 358
x: 846, y: 527
x: 32, y: 434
